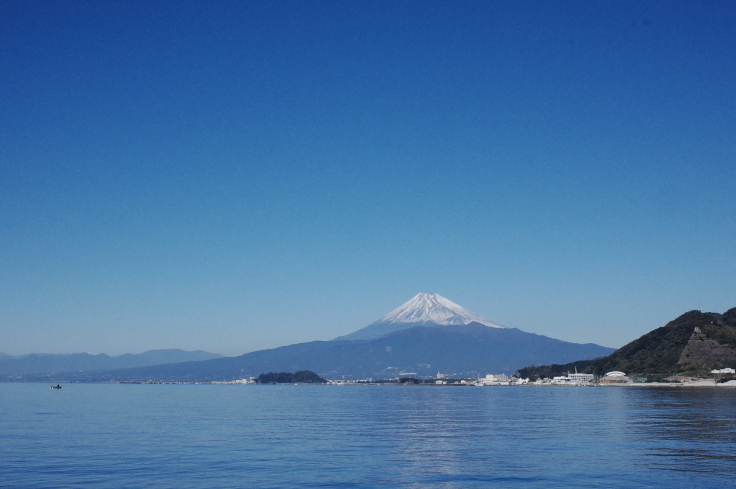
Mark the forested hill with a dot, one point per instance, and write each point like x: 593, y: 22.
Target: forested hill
x: 301, y: 377
x: 675, y: 347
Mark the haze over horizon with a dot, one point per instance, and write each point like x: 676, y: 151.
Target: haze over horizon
x: 235, y: 176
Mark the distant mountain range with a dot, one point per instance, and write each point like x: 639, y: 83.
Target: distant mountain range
x: 43, y: 364
x: 428, y: 334
x: 464, y: 350
x: 695, y: 342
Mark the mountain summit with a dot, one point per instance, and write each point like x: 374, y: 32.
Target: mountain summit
x: 421, y: 310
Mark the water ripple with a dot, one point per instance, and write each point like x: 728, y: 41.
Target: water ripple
x: 187, y: 436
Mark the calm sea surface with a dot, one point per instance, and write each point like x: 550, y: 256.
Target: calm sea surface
x: 109, y: 435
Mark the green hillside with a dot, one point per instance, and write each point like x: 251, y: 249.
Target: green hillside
x: 673, y: 348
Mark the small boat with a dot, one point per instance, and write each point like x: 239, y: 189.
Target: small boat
x: 57, y: 386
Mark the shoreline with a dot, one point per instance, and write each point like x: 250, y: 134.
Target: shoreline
x: 707, y: 383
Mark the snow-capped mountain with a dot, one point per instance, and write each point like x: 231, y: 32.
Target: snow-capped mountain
x: 433, y: 308
x: 421, y: 310
x: 425, y: 335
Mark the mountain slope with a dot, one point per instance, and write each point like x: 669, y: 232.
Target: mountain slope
x: 659, y: 351
x: 694, y: 342
x: 421, y: 310
x: 469, y: 350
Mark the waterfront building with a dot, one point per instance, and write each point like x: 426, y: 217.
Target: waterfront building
x: 615, y: 377
x: 576, y: 377
x: 491, y: 379
x: 723, y: 371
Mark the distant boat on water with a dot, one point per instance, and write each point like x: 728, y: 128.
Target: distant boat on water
x: 57, y: 386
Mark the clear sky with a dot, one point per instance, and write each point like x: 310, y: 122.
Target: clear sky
x: 232, y: 175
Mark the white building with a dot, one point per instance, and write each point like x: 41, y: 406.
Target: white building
x: 615, y: 377
x: 491, y: 379
x: 576, y: 377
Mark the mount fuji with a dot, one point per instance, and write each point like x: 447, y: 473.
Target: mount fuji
x: 427, y: 334
x: 421, y: 310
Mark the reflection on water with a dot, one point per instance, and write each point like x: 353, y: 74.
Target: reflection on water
x: 360, y: 436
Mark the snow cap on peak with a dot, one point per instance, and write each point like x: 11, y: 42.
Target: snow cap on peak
x: 433, y: 308
x: 421, y: 310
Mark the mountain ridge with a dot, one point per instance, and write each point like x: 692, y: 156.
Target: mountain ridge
x: 471, y: 349
x: 49, y: 363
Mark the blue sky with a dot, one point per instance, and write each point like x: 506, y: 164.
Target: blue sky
x: 232, y: 176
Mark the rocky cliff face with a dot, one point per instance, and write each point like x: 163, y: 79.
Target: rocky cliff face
x: 704, y: 352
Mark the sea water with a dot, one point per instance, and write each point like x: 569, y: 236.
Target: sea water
x: 187, y: 436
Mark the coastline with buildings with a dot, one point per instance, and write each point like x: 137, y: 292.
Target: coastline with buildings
x: 571, y: 379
